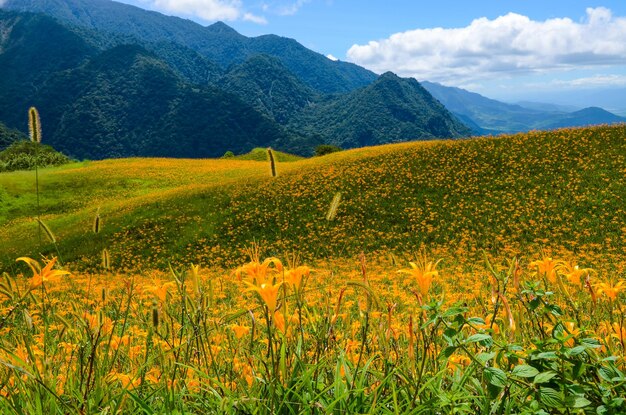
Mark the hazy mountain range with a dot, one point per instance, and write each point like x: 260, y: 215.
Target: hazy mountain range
x: 488, y: 116
x: 114, y: 80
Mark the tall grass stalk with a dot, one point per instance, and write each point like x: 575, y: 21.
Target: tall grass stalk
x: 34, y: 129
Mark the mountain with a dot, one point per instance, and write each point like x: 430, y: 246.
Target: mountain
x: 218, y: 43
x: 269, y: 87
x: 547, y: 107
x: 488, y: 116
x: 9, y: 136
x: 121, y: 102
x: 391, y: 109
x: 104, y: 94
x: 586, y: 116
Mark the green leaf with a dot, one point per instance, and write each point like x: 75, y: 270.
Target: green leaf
x: 495, y: 376
x: 544, y: 377
x: 575, y: 351
x: 577, y: 402
x: 478, y: 337
x: 525, y: 371
x: 546, y: 355
x: 485, y: 357
x: 551, y: 397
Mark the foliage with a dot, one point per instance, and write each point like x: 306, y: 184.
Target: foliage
x: 9, y: 136
x: 391, y: 109
x: 228, y: 155
x: 324, y: 149
x: 272, y: 338
x: 217, y: 43
x: 103, y: 95
x: 22, y: 155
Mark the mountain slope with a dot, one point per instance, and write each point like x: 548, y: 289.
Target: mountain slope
x: 392, y: 109
x: 8, y: 136
x: 130, y: 103
x: 269, y: 86
x: 493, y: 116
x: 586, y: 116
x: 218, y: 42
x: 122, y: 102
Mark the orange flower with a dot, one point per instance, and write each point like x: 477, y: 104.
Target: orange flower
x: 42, y: 275
x: 257, y: 273
x: 160, y: 290
x: 423, y: 273
x: 240, y: 331
x: 611, y: 290
x: 268, y: 293
x: 295, y: 276
x: 546, y: 267
x: 572, y: 272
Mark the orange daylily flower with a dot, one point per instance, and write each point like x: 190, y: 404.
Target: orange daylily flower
x: 268, y: 293
x: 611, y: 290
x: 423, y: 273
x: 42, y: 275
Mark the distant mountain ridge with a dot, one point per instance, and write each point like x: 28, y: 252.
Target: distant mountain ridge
x: 104, y: 94
x: 489, y: 116
x: 219, y: 43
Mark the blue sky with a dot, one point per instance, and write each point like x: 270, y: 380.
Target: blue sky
x: 524, y: 49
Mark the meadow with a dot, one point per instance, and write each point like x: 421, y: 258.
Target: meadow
x: 476, y: 276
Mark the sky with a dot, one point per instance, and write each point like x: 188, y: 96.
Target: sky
x: 561, y: 51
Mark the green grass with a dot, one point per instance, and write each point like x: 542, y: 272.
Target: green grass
x: 561, y: 191
x: 260, y: 154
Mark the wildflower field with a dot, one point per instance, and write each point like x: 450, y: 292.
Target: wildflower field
x: 485, y: 276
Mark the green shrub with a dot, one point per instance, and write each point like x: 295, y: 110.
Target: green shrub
x: 324, y: 149
x: 21, y: 156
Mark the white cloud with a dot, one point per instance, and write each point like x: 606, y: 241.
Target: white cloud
x: 249, y: 17
x: 592, y: 82
x: 331, y: 57
x: 508, y: 45
x: 292, y: 8
x: 209, y: 10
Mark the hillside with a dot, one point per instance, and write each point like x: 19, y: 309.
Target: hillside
x: 561, y: 191
x: 269, y: 87
x: 487, y: 116
x: 218, y: 43
x: 9, y: 136
x: 124, y: 101
x: 392, y: 109
x: 102, y: 97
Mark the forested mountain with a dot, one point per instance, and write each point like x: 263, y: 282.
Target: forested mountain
x: 486, y: 115
x: 120, y: 102
x: 8, y: 136
x: 269, y: 87
x: 218, y: 43
x: 104, y: 94
x: 389, y: 107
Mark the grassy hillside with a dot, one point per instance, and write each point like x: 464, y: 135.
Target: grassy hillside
x: 561, y: 191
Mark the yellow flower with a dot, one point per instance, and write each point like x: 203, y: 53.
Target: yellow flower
x: 546, y: 267
x: 239, y: 331
x: 42, y: 275
x: 160, y: 290
x: 268, y: 293
x: 423, y: 273
x: 611, y: 290
x: 572, y: 272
